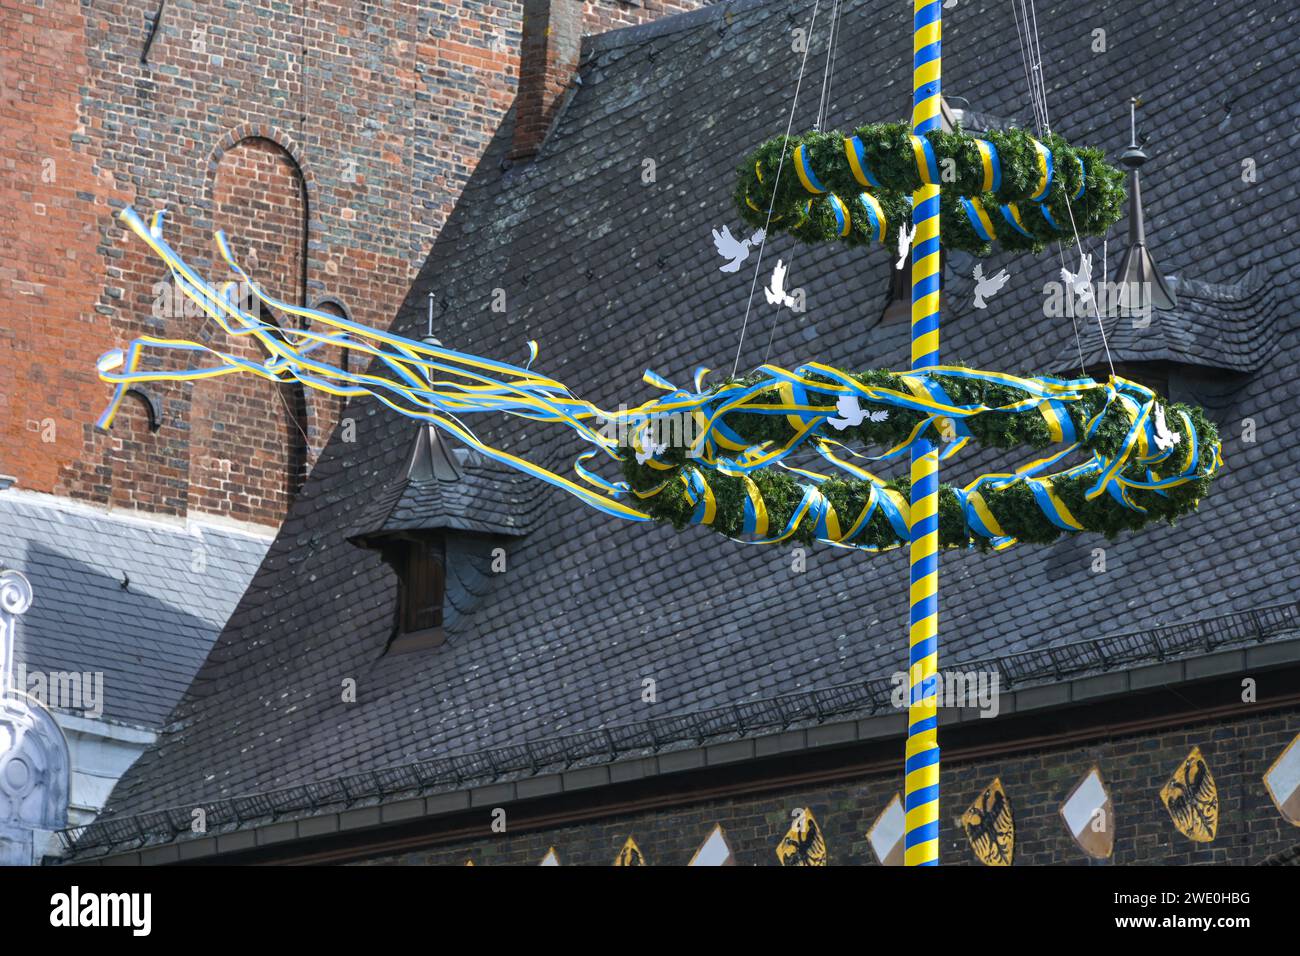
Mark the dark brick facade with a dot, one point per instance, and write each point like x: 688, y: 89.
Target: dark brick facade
x: 329, y: 139
x: 601, y: 15
x: 1134, y: 768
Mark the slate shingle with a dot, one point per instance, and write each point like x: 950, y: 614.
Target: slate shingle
x: 612, y: 275
x: 1234, y: 327
x: 147, y: 639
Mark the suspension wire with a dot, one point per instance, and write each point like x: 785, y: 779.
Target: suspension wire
x: 762, y: 246
x: 835, y: 55
x: 1031, y: 49
x: 1024, y: 59
x: 1074, y: 321
x: 823, y: 112
x: 824, y: 102
x: 1038, y: 54
x: 1105, y: 242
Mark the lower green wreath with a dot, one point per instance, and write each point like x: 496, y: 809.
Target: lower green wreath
x: 1149, y: 461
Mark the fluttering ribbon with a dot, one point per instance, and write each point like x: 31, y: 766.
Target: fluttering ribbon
x: 440, y: 385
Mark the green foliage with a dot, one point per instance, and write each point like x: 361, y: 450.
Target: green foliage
x: 1014, y: 507
x: 889, y: 155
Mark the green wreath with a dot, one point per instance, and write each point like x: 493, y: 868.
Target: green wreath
x: 1006, y: 186
x: 1112, y: 421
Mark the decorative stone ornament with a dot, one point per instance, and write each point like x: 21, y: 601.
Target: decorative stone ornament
x: 34, y: 764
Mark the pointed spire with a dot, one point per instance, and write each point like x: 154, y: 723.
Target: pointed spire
x: 430, y: 457
x: 1141, y: 284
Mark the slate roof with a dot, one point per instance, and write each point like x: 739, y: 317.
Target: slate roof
x: 486, y: 497
x: 1235, y: 327
x: 149, y: 638
x: 612, y: 276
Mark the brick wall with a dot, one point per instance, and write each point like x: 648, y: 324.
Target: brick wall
x: 328, y: 138
x: 1134, y: 768
x: 602, y: 15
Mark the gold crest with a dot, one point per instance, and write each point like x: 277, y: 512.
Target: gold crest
x: 803, y: 844
x: 1192, y: 799
x: 630, y: 855
x: 990, y: 826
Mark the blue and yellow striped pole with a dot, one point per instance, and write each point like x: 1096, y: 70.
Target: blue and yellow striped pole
x: 921, y: 780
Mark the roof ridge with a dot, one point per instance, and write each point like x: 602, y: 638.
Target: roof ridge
x: 664, y: 26
x: 190, y: 525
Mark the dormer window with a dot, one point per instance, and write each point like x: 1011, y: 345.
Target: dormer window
x: 443, y: 526
x: 422, y: 587
x: 1174, y: 342
x: 898, y: 307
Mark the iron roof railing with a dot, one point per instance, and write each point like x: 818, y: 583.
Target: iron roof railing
x: 654, y: 734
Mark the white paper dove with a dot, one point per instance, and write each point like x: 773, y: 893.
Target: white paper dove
x: 648, y: 450
x: 851, y: 413
x: 775, y: 292
x: 906, y: 234
x: 733, y: 249
x: 989, y: 286
x: 1080, y: 283
x: 1165, y: 439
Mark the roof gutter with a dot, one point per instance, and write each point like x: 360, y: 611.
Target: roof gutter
x: 677, y: 776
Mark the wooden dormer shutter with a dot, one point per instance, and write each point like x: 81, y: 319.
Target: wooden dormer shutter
x: 423, y: 590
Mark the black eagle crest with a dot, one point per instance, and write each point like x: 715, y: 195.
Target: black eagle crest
x: 803, y: 844
x: 1192, y: 799
x: 990, y: 827
x: 630, y: 855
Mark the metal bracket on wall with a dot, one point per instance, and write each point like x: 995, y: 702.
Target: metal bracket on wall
x: 153, y: 31
x: 151, y: 404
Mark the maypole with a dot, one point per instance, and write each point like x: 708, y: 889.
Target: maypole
x: 1150, y: 460
x: 921, y: 780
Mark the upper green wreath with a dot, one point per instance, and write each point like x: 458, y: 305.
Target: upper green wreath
x: 1007, y: 186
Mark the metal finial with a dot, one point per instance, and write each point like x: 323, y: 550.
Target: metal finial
x: 1134, y: 156
x: 1142, y: 284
